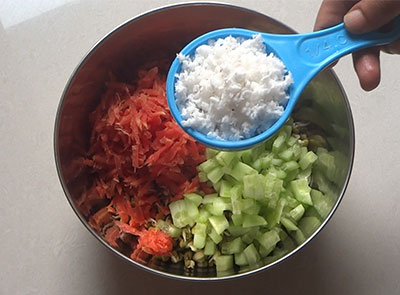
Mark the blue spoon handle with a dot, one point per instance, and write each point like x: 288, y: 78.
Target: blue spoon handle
x: 317, y: 50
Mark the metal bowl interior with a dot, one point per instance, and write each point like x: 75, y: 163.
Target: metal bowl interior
x: 159, y: 35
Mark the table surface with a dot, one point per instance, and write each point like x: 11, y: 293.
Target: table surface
x: 46, y: 250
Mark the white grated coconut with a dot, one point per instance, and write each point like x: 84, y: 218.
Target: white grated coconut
x: 231, y: 89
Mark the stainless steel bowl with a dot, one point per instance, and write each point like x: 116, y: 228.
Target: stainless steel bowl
x: 161, y: 33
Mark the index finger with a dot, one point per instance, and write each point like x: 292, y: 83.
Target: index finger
x: 332, y: 12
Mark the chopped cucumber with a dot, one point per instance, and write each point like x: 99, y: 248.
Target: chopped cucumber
x: 237, y: 231
x: 225, y: 189
x: 209, y: 199
x: 210, y: 247
x: 269, y: 239
x: 264, y: 206
x: 249, y: 206
x: 225, y: 158
x: 240, y: 170
x: 290, y: 166
x: 286, y: 155
x: 219, y: 223
x: 237, y: 219
x: 251, y: 235
x: 202, y: 176
x: 258, y: 164
x: 252, y: 255
x: 264, y: 252
x: 215, y: 175
x: 169, y: 228
x: 219, y: 205
x: 203, y: 215
x: 210, y: 153
x: 279, y: 142
x: 322, y: 203
x: 208, y: 165
x: 307, y: 160
x: 246, y: 156
x: 200, y: 235
x: 253, y: 220
x: 309, y: 224
x: 183, y: 212
x: 304, y: 173
x: 240, y: 259
x: 195, y: 198
x: 297, y: 212
x: 299, y: 237
x: 254, y: 186
x: 232, y: 247
x: 301, y: 191
x: 215, y: 237
x: 224, y: 263
x: 288, y: 224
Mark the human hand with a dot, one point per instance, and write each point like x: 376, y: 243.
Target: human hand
x: 361, y: 16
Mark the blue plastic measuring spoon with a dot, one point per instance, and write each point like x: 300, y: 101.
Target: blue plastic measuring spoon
x: 304, y: 55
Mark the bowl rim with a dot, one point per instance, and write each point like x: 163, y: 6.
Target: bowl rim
x: 147, y: 268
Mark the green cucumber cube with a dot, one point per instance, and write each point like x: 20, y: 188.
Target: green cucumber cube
x: 211, y: 153
x: 290, y: 166
x: 246, y: 156
x: 253, y: 220
x: 210, y: 247
x: 297, y: 212
x: 258, y: 164
x: 195, y: 198
x: 307, y: 160
x: 225, y: 158
x: 286, y: 155
x: 240, y: 259
x: 237, y: 191
x: 219, y: 205
x: 215, y: 175
x: 215, y: 237
x: 224, y: 263
x: 269, y: 239
x: 232, y: 247
x: 288, y: 224
x: 200, y: 235
x: 299, y: 237
x: 254, y: 186
x: 309, y: 224
x: 251, y: 254
x: 183, y: 212
x: 249, y: 206
x: 203, y: 215
x: 219, y: 223
x: 237, y: 230
x: 240, y: 170
x: 264, y: 252
x: 322, y: 203
x: 202, y: 176
x: 249, y: 237
x: 279, y: 142
x: 237, y: 219
x: 225, y: 189
x: 301, y: 191
x: 208, y: 165
x: 209, y: 199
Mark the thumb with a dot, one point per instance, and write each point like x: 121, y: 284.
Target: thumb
x: 368, y: 15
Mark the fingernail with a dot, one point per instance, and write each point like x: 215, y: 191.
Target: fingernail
x: 354, y: 21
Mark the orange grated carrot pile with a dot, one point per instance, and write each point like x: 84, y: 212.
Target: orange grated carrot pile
x: 141, y: 160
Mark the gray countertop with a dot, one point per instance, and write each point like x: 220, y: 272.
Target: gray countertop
x: 46, y: 250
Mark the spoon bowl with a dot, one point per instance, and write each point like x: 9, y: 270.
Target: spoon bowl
x: 304, y: 56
